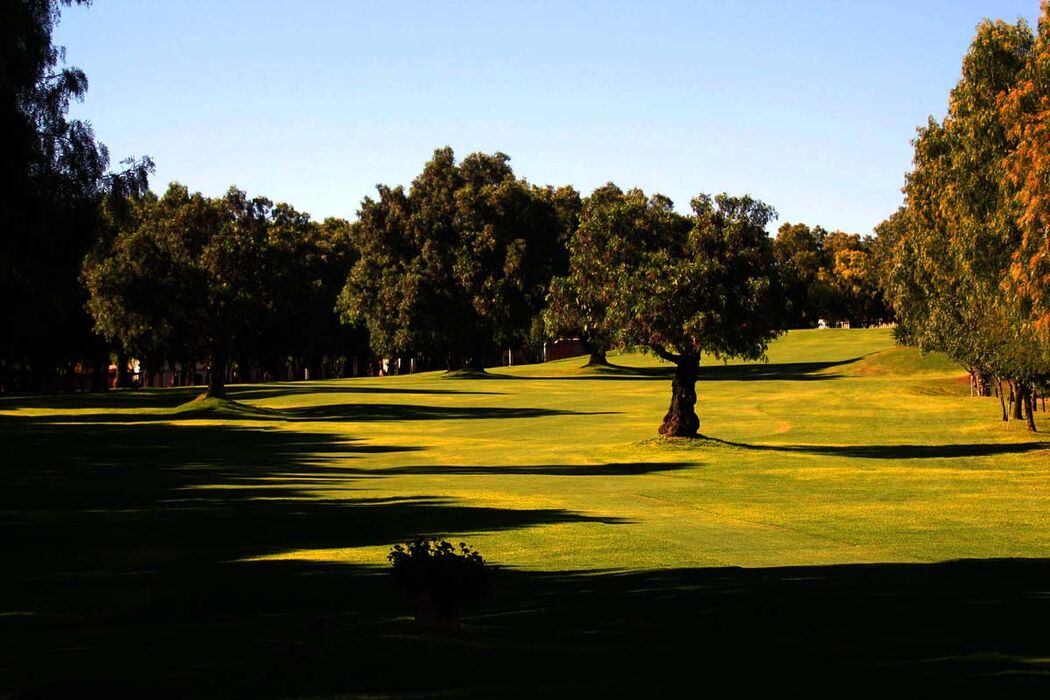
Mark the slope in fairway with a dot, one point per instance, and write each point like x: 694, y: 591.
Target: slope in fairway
x: 841, y: 449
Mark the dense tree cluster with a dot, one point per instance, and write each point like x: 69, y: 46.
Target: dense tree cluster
x: 239, y: 282
x: 964, y: 261
x: 829, y: 276
x: 460, y: 264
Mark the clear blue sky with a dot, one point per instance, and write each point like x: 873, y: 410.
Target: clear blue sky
x: 807, y: 105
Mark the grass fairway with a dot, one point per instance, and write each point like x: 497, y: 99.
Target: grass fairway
x: 217, y: 548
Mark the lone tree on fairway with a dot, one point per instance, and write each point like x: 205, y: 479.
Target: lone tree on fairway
x: 685, y: 285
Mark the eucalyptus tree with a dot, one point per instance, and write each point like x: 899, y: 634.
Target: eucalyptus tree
x: 1026, y: 118
x: 946, y: 258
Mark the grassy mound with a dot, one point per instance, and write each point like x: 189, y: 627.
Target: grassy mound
x: 466, y: 373
x: 903, y: 362
x: 212, y: 408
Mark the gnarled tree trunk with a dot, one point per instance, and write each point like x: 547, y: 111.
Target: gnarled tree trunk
x: 681, y: 419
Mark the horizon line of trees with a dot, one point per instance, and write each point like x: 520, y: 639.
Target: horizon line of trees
x: 467, y: 261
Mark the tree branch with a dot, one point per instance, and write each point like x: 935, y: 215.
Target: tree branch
x: 665, y: 354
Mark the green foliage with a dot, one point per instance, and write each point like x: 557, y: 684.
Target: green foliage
x: 642, y: 275
x: 830, y: 276
x: 944, y: 259
x: 460, y: 262
x: 686, y: 285
x: 226, y: 279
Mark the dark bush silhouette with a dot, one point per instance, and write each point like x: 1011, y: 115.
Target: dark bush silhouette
x: 440, y: 579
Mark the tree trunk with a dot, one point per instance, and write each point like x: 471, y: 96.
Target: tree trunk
x: 597, y: 354
x: 681, y: 419
x: 983, y: 381
x: 123, y: 376
x: 217, y: 377
x: 1018, y: 393
x: 1029, y: 414
x: 598, y: 358
x: 1002, y: 399
x: 477, y: 358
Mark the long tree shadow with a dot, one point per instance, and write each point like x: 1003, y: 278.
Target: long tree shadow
x: 605, y: 469
x: 340, y: 412
x: 147, y: 399
x: 784, y: 371
x: 364, y: 412
x: 251, y: 391
x: 101, y: 502
x: 899, y: 451
x: 975, y: 624
x: 108, y: 400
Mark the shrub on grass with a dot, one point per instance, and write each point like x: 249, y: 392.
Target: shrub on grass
x: 440, y: 578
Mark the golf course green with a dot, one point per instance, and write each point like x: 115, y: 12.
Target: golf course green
x: 196, y: 544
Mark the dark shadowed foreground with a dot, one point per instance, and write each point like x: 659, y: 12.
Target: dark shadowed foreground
x: 125, y: 577
x: 291, y: 629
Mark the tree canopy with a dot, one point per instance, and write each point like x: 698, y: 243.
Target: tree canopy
x: 677, y: 285
x: 227, y: 279
x: 956, y: 260
x: 460, y: 263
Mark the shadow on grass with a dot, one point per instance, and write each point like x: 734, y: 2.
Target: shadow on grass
x: 903, y: 451
x: 176, y: 396
x: 122, y: 398
x: 341, y: 412
x: 294, y: 628
x: 125, y: 549
x: 172, y: 493
x: 607, y: 469
x: 252, y: 391
x: 364, y: 412
x: 784, y: 371
x: 757, y: 371
x: 125, y: 575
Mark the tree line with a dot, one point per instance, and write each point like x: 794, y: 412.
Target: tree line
x: 467, y: 261
x: 966, y: 260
